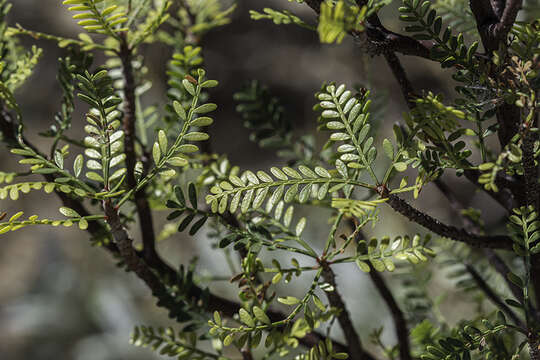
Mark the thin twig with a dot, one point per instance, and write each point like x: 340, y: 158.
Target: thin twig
x: 493, y: 296
x: 495, y: 260
x: 448, y: 231
x: 500, y: 266
x: 401, y: 76
x: 400, y: 324
x: 355, y: 349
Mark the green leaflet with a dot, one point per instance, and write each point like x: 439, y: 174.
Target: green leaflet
x: 95, y: 19
x: 257, y: 187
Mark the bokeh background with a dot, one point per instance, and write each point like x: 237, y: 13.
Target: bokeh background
x: 61, y: 299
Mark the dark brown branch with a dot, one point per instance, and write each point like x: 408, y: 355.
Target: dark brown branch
x: 493, y: 296
x: 451, y: 232
x: 355, y: 349
x: 383, y: 41
x: 141, y: 203
x: 129, y: 112
x: 400, y: 324
x: 494, y: 25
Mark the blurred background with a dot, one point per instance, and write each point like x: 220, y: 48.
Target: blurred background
x: 61, y: 299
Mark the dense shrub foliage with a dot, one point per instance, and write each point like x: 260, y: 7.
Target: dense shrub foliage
x: 135, y: 160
